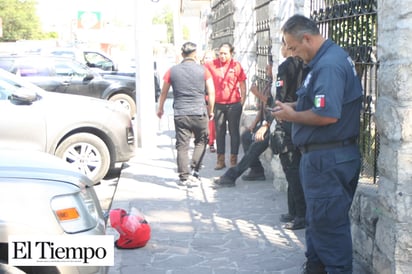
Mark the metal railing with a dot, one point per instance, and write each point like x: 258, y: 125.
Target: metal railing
x: 353, y: 25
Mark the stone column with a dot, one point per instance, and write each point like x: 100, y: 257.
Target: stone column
x: 281, y: 10
x: 244, y: 42
x: 392, y: 252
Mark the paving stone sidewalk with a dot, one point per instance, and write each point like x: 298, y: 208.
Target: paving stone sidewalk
x: 202, y: 230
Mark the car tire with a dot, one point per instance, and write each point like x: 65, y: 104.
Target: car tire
x: 86, y: 152
x: 126, y: 101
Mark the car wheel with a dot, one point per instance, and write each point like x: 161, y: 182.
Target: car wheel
x: 86, y: 152
x: 126, y: 101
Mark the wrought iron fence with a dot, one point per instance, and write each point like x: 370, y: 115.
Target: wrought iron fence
x: 263, y: 41
x: 350, y: 23
x: 353, y: 25
x: 223, y: 24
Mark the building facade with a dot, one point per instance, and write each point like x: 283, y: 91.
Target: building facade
x: 381, y: 215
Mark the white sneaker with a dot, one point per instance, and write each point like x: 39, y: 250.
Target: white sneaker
x: 191, y: 181
x: 196, y: 174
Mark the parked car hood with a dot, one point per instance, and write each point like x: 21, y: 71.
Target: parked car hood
x: 26, y: 164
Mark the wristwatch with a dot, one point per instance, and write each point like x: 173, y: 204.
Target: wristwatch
x: 265, y: 123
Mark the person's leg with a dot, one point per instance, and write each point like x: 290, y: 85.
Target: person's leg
x: 313, y: 264
x: 220, y: 126
x: 247, y: 141
x: 257, y: 172
x: 254, y: 151
x: 212, y: 135
x: 200, y: 130
x: 251, y: 157
x: 285, y: 160
x: 183, y: 135
x: 296, y: 200
x: 329, y: 236
x: 233, y: 118
x: 326, y: 177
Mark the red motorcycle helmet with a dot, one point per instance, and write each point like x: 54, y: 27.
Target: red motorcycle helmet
x: 134, y: 230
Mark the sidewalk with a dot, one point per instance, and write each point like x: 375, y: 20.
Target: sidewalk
x: 202, y: 230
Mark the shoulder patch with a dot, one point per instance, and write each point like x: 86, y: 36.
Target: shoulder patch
x: 279, y: 83
x: 319, y: 101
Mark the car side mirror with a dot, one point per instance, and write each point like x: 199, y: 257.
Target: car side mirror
x: 88, y: 77
x: 23, y: 96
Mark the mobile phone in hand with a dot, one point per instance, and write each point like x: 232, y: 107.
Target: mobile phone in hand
x: 272, y: 109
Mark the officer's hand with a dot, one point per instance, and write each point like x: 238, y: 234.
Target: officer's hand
x: 283, y: 111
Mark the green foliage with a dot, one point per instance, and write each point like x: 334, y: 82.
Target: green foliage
x: 186, y: 33
x: 20, y: 21
x: 165, y: 16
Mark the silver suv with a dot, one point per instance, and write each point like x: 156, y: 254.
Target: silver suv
x: 91, y: 134
x: 65, y: 75
x: 42, y: 195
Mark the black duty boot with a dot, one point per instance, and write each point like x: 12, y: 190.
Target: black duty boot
x: 297, y: 223
x: 313, y: 268
x: 223, y: 181
x: 286, y: 218
x: 254, y: 175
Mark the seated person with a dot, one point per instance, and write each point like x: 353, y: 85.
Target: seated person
x: 255, y: 141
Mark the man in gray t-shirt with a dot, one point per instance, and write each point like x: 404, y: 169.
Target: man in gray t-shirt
x: 189, y: 81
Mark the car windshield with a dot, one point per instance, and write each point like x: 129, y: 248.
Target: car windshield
x: 95, y: 58
x: 64, y: 68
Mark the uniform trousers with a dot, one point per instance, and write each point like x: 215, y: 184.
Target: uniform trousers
x: 329, y: 179
x: 290, y: 161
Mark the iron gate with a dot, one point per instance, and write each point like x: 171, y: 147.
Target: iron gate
x: 353, y: 25
x: 223, y: 24
x: 263, y: 41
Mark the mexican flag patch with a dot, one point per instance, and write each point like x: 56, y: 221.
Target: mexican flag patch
x: 279, y: 83
x: 319, y: 101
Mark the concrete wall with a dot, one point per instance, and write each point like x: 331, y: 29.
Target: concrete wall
x: 392, y: 250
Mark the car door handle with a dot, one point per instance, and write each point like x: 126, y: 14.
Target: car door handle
x: 65, y: 83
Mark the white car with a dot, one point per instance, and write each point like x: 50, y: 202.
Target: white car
x: 36, y: 188
x: 92, y: 134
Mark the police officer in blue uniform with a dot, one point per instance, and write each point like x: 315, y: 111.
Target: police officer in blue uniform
x: 326, y: 125
x: 289, y: 77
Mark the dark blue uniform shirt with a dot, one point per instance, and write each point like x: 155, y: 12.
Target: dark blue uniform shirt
x: 331, y: 89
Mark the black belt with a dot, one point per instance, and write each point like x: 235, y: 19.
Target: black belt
x: 312, y: 147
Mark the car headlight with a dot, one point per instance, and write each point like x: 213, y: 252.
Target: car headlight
x: 76, y: 212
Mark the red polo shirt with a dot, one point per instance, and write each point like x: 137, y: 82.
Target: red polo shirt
x: 226, y: 78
